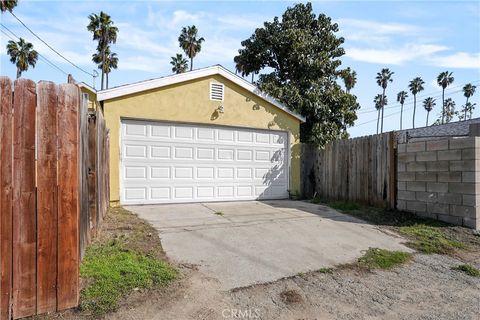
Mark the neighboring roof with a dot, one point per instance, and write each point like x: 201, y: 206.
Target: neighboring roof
x: 127, y: 89
x: 453, y: 129
x: 86, y: 86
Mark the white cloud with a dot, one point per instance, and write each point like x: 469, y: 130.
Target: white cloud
x: 460, y: 60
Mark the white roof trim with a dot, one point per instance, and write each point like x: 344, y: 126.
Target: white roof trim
x: 86, y: 86
x: 191, y: 75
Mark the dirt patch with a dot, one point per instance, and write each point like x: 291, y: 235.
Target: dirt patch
x: 290, y: 296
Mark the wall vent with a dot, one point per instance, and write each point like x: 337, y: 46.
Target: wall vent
x: 216, y: 91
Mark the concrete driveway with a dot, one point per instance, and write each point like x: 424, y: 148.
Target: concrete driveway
x: 261, y: 241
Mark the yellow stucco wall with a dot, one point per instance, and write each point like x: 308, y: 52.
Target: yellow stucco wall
x: 92, y: 98
x: 190, y: 102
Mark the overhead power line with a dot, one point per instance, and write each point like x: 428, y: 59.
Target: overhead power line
x: 50, y: 47
x: 43, y: 58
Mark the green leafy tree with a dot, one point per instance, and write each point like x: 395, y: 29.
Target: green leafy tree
x: 428, y: 104
x: 444, y: 79
x: 378, y: 102
x: 22, y: 55
x: 105, y: 32
x: 299, y: 54
x: 7, y: 5
x: 448, y: 111
x: 468, y: 91
x: 179, y: 63
x: 383, y: 78
x: 415, y: 86
x: 190, y: 43
x: 349, y: 78
x: 401, y: 97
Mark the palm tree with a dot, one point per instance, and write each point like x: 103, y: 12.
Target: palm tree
x: 105, y: 33
x: 448, y: 110
x: 467, y: 109
x: 383, y: 78
x: 444, y: 79
x: 190, y: 43
x: 401, y: 97
x: 349, y: 78
x: 378, y: 101
x: 22, y: 55
x: 428, y: 104
x: 111, y: 62
x: 7, y: 5
x: 468, y: 91
x: 415, y: 86
x: 179, y: 63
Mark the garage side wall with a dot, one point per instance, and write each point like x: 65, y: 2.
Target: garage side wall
x: 189, y: 102
x: 439, y: 179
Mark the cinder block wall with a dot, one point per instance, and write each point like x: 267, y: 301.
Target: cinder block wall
x: 440, y: 179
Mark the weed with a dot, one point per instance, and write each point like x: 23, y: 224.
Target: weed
x: 113, y: 272
x: 325, y: 270
x: 468, y: 269
x: 430, y: 239
x: 376, y: 258
x: 218, y: 213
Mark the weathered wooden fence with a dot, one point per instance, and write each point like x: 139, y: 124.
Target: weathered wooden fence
x: 361, y: 169
x: 42, y: 188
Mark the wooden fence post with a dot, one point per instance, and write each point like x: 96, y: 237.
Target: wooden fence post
x: 68, y: 197
x: 47, y: 197
x: 24, y: 199
x: 6, y: 172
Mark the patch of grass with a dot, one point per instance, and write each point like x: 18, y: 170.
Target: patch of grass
x: 430, y: 239
x: 112, y: 272
x: 325, y: 270
x: 376, y: 258
x: 218, y: 213
x: 468, y: 269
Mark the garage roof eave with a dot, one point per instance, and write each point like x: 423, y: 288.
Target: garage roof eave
x: 191, y: 75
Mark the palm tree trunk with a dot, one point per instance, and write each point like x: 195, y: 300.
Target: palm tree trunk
x: 378, y: 119
x: 466, y: 104
x: 414, y: 108
x: 443, y: 105
x: 191, y: 64
x: 383, y: 107
x: 103, y: 76
x: 253, y: 74
x: 401, y: 116
x: 107, y: 81
x: 428, y: 113
x: 19, y: 73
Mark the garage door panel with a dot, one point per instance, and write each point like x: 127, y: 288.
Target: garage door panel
x: 167, y: 162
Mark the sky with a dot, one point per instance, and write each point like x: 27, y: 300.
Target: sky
x: 414, y: 38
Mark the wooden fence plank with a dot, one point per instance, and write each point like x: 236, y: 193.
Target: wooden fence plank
x: 24, y: 198
x: 93, y: 193
x: 85, y: 222
x: 68, y: 196
x: 47, y: 197
x: 6, y: 172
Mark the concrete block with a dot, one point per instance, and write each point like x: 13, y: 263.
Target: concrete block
x: 450, y: 219
x: 401, y: 147
x: 405, y: 195
x: 406, y: 157
x: 449, y: 176
x: 449, y: 198
x: 470, y: 177
x: 406, y: 176
x: 437, y: 166
x: 401, y: 167
x: 416, y: 146
x: 471, y: 200
x: 450, y: 155
x: 471, y: 223
x: 401, y: 185
x: 416, y: 186
x: 463, y: 211
x: 426, y: 156
x: 438, y: 208
x: 437, y: 186
x: 401, y: 205
x: 462, y: 188
x: 416, y: 166
x: 437, y: 145
x: 416, y: 206
x: 462, y: 165
x: 462, y: 143
x: 426, y: 176
x: 469, y: 154
x: 426, y: 196
x: 427, y: 215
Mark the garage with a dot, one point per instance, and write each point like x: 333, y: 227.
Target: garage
x: 200, y: 136
x: 172, y: 163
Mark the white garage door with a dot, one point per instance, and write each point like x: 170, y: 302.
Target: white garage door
x: 170, y: 163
